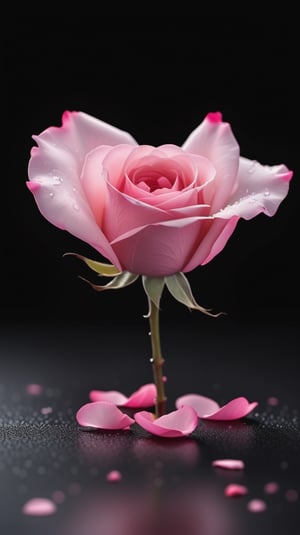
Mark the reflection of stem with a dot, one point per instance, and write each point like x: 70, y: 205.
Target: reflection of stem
x: 157, y: 361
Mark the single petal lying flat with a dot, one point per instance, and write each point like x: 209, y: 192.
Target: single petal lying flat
x: 141, y: 398
x: 229, y: 464
x: 102, y: 415
x: 175, y: 424
x: 208, y: 409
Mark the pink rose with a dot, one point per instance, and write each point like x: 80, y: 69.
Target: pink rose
x: 154, y: 211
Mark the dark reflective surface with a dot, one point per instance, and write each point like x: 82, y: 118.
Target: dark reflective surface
x: 168, y: 486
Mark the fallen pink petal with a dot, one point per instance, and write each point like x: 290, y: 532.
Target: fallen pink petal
x: 102, y: 415
x: 178, y: 423
x: 256, y: 506
x: 208, y: 409
x: 292, y: 495
x: 46, y: 410
x: 142, y: 398
x: 114, y: 476
x: 235, y: 490
x: 39, y: 507
x: 229, y: 464
x: 34, y: 389
x: 271, y: 488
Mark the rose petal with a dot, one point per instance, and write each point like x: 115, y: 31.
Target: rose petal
x: 229, y: 464
x: 256, y: 506
x: 113, y: 476
x: 102, y: 415
x: 201, y: 404
x: 234, y: 410
x: 209, y: 409
x: 143, y: 397
x: 234, y: 489
x: 215, y: 140
x: 178, y: 423
x: 271, y: 488
x: 261, y: 188
x: 56, y: 166
x: 39, y: 507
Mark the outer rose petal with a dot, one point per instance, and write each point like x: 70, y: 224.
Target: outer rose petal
x: 102, y: 415
x: 178, y: 423
x: 209, y: 409
x: 143, y: 397
x: 56, y: 166
x: 215, y: 140
x: 261, y: 188
x: 159, y: 249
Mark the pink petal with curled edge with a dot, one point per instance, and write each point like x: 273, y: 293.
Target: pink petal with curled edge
x: 209, y: 409
x: 102, y: 415
x: 141, y: 398
x: 234, y: 490
x: 234, y: 410
x: 178, y: 423
x: 229, y: 464
x: 201, y: 404
x: 39, y: 507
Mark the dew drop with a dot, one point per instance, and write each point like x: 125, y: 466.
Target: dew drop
x: 74, y: 189
x: 75, y: 206
x: 51, y: 194
x: 266, y: 192
x: 151, y: 360
x: 149, y: 333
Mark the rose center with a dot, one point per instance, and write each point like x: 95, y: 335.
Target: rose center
x: 155, y: 180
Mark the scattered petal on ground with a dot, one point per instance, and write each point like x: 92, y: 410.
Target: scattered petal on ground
x: 102, y: 415
x: 271, y: 488
x: 229, y: 464
x: 39, y: 507
x: 201, y: 404
x: 114, y: 476
x: 141, y: 398
x: 178, y: 423
x: 34, y: 389
x: 234, y: 490
x: 291, y: 495
x: 256, y: 506
x: 209, y: 409
x: 46, y: 410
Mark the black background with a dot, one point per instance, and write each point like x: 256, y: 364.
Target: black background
x: 157, y: 78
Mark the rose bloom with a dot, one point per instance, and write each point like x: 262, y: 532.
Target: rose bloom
x: 153, y: 211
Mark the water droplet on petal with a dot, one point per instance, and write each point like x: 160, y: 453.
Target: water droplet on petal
x: 51, y: 194
x: 266, y: 192
x: 75, y: 206
x: 74, y: 189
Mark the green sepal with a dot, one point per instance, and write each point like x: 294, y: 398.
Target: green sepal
x: 120, y: 281
x: 179, y: 288
x: 105, y: 270
x: 153, y: 287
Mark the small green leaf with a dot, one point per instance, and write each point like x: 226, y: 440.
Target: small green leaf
x: 106, y: 270
x: 179, y: 287
x: 120, y: 281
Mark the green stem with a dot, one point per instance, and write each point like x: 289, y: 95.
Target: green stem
x: 157, y: 360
